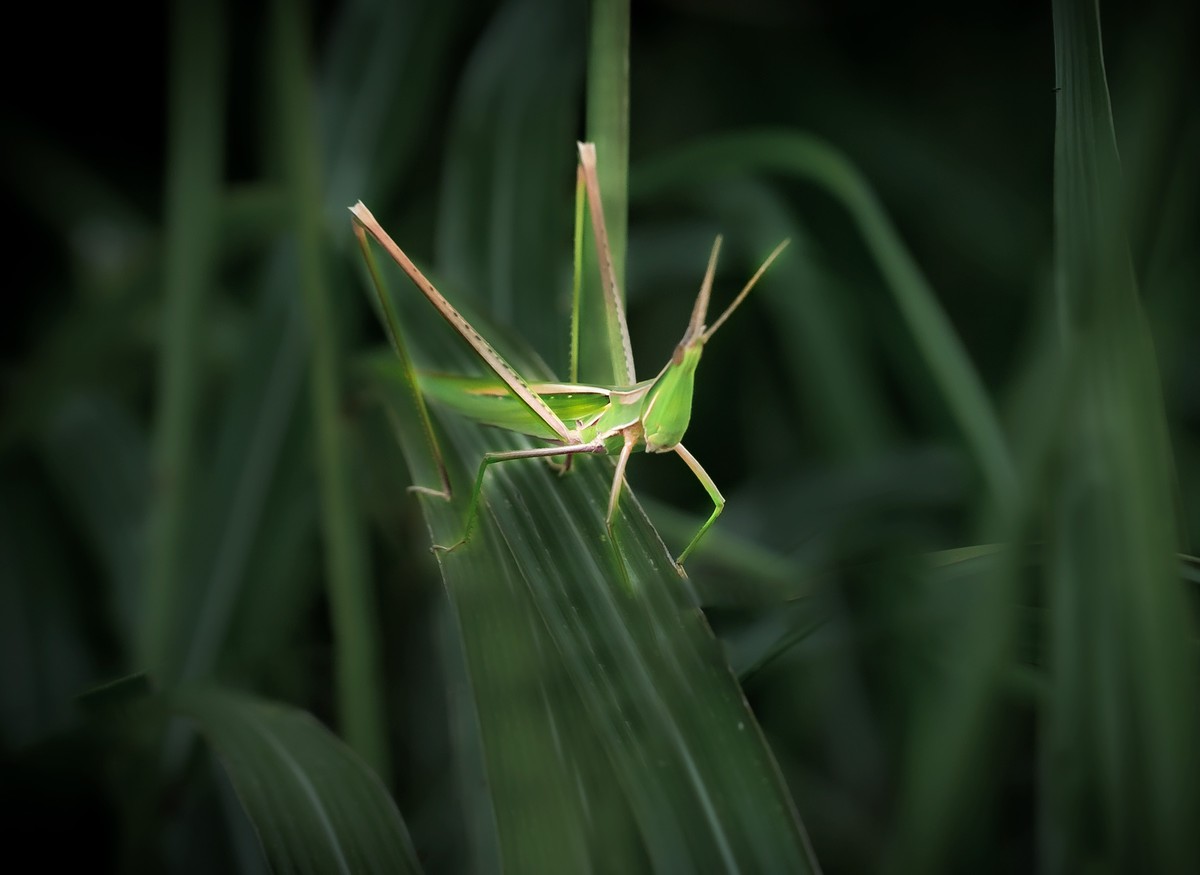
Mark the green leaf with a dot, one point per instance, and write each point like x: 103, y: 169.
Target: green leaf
x: 316, y: 806
x: 98, y: 457
x: 1121, y: 764
x: 193, y: 188
x: 557, y: 621
x: 608, y: 128
x: 347, y: 577
x: 47, y: 645
x: 379, y: 92
x: 257, y: 492
x: 508, y: 167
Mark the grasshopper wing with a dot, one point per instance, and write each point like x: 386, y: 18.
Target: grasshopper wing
x: 488, y: 401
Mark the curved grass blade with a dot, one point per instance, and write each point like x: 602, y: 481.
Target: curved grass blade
x: 842, y: 399
x: 812, y: 160
x: 316, y: 807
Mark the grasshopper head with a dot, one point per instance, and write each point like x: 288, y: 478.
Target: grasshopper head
x: 667, y: 408
x: 668, y: 405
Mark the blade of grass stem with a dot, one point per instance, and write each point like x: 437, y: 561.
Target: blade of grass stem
x: 608, y: 118
x: 193, y: 184
x: 359, y: 684
x: 247, y: 465
x: 1120, y: 758
x: 608, y: 128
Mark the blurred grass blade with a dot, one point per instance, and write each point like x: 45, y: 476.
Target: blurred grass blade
x: 250, y: 465
x: 316, y: 807
x: 356, y: 635
x: 503, y: 220
x: 98, y: 456
x: 194, y: 172
x: 379, y: 92
x: 44, y: 641
x: 811, y: 160
x: 1120, y: 760
x: 844, y: 400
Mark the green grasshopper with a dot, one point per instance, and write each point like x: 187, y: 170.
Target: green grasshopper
x: 650, y: 415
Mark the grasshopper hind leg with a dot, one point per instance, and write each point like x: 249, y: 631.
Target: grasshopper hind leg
x: 714, y: 493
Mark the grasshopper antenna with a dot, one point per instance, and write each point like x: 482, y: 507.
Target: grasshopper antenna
x: 695, y: 329
x: 746, y: 290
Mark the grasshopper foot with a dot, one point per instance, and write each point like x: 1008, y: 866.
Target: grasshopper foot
x: 426, y: 490
x: 442, y: 548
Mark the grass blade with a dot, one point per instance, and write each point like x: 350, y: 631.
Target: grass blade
x: 359, y: 683
x: 811, y: 160
x: 193, y: 188
x: 379, y: 93
x: 802, y: 294
x: 603, y: 353
x: 1120, y: 762
x: 608, y: 118
x: 98, y: 456
x: 260, y: 421
x: 622, y: 638
x: 517, y: 105
x: 45, y: 642
x: 316, y: 807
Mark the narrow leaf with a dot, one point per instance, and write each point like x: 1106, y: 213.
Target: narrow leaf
x: 315, y: 805
x: 1120, y: 764
x: 609, y: 360
x: 193, y: 186
x: 621, y: 636
x: 359, y: 682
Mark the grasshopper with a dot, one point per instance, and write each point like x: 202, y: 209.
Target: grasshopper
x: 649, y: 415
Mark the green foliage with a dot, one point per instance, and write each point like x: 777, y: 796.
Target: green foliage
x: 315, y: 806
x: 943, y: 624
